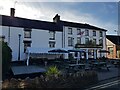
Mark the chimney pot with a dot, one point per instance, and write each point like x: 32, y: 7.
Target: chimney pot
x: 56, y: 18
x: 12, y: 12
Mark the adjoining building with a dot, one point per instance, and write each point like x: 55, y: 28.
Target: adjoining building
x: 21, y: 33
x: 113, y: 46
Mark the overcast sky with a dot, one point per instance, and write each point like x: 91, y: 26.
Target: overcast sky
x: 101, y: 14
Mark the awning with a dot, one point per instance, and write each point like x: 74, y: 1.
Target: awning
x: 37, y: 50
x: 32, y: 51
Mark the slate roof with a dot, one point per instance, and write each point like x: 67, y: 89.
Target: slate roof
x: 28, y: 23
x: 37, y: 24
x: 114, y: 39
x: 80, y: 25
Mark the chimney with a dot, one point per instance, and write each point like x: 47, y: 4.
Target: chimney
x: 12, y: 12
x: 56, y: 18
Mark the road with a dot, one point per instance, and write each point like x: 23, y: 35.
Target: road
x: 109, y: 85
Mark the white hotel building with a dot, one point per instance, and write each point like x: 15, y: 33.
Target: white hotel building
x: 56, y: 34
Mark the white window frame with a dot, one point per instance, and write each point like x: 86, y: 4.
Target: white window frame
x: 78, y: 31
x: 51, y: 35
x: 101, y: 34
x: 51, y: 44
x: 79, y: 40
x: 86, y: 32
x: 94, y: 40
x: 27, y: 33
x: 70, y: 41
x: 94, y: 33
x: 101, y: 41
x: 86, y: 39
x: 70, y: 31
x: 26, y: 44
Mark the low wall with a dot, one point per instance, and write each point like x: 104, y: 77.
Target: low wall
x: 77, y: 80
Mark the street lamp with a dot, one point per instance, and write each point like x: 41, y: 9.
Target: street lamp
x: 19, y: 48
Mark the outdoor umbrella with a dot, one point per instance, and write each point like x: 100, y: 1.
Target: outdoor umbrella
x: 58, y: 51
x: 73, y: 50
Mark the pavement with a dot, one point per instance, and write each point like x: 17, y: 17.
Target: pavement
x: 104, y: 74
x: 107, y: 80
x: 18, y: 70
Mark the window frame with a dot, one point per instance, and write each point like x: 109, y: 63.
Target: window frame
x: 100, y: 42
x: 70, y: 31
x: 53, y: 35
x: 79, y: 39
x: 94, y: 33
x: 70, y: 39
x: 53, y: 44
x: 101, y: 34
x: 78, y: 31
x: 86, y: 32
x: 28, y: 30
x: 95, y: 41
x: 26, y: 42
x: 86, y: 39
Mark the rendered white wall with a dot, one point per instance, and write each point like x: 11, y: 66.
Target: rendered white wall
x: 58, y: 39
x: 74, y: 35
x: 4, y: 31
x: 14, y: 41
x: 40, y: 38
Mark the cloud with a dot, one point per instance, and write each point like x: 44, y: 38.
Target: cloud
x: 74, y: 16
x: 46, y: 12
x: 69, y: 0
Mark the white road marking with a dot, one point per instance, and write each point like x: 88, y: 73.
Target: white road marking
x: 110, y: 85
x: 104, y: 85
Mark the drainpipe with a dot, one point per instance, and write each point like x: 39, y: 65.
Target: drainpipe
x: 9, y: 35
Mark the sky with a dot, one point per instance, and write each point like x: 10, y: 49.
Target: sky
x: 100, y: 14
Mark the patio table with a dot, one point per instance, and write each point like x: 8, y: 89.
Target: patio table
x: 80, y: 65
x: 99, y: 65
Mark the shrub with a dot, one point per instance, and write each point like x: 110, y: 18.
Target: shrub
x: 52, y: 71
x: 6, y: 58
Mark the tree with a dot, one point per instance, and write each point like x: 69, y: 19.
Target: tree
x: 6, y: 58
